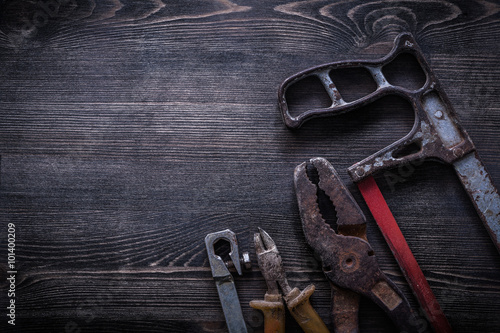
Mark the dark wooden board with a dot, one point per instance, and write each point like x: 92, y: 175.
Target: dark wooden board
x: 131, y: 129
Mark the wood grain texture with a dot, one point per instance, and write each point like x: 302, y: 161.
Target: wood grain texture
x: 131, y: 129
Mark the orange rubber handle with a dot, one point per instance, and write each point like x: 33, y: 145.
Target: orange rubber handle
x: 274, y: 313
x: 303, y: 312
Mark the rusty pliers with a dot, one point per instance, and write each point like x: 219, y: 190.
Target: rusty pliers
x: 348, y: 260
x: 298, y: 304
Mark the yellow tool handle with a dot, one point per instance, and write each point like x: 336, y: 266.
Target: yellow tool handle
x: 303, y: 312
x: 274, y: 313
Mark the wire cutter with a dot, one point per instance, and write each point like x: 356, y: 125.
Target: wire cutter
x: 272, y: 306
x: 348, y: 260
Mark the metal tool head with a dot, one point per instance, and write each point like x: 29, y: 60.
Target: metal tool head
x: 318, y: 174
x: 348, y: 259
x: 436, y: 132
x: 270, y: 263
x: 224, y: 280
x: 219, y: 268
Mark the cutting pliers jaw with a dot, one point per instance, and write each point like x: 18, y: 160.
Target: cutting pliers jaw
x: 271, y: 268
x: 270, y: 263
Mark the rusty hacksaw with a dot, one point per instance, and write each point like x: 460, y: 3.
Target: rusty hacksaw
x: 436, y: 131
x: 438, y: 135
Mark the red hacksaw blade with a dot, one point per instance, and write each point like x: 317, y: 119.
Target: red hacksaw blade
x: 401, y: 251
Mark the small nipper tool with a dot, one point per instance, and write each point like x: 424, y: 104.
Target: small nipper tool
x: 298, y: 304
x: 224, y: 280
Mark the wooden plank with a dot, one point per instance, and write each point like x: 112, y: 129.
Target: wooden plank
x: 130, y: 130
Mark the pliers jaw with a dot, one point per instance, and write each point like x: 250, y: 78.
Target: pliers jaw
x: 270, y: 263
x: 347, y: 257
x: 317, y: 175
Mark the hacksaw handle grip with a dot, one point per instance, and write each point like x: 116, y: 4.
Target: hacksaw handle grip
x: 436, y: 132
x: 274, y: 313
x: 301, y: 309
x: 403, y: 43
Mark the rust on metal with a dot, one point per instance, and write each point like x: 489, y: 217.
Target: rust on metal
x: 436, y: 133
x: 297, y: 301
x: 436, y: 130
x: 386, y: 295
x: 224, y: 280
x: 348, y: 260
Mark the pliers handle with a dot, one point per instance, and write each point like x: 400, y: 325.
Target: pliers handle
x: 274, y: 312
x: 299, y: 306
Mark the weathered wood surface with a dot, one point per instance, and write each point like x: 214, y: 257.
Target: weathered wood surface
x: 131, y: 129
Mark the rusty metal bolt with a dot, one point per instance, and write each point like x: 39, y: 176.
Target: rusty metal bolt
x: 458, y: 152
x: 360, y: 172
x: 244, y: 260
x: 438, y: 114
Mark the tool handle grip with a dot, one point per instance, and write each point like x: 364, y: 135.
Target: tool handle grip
x: 274, y: 313
x: 338, y: 106
x: 385, y: 293
x: 303, y: 312
x: 345, y: 306
x: 436, y: 132
x: 404, y: 43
